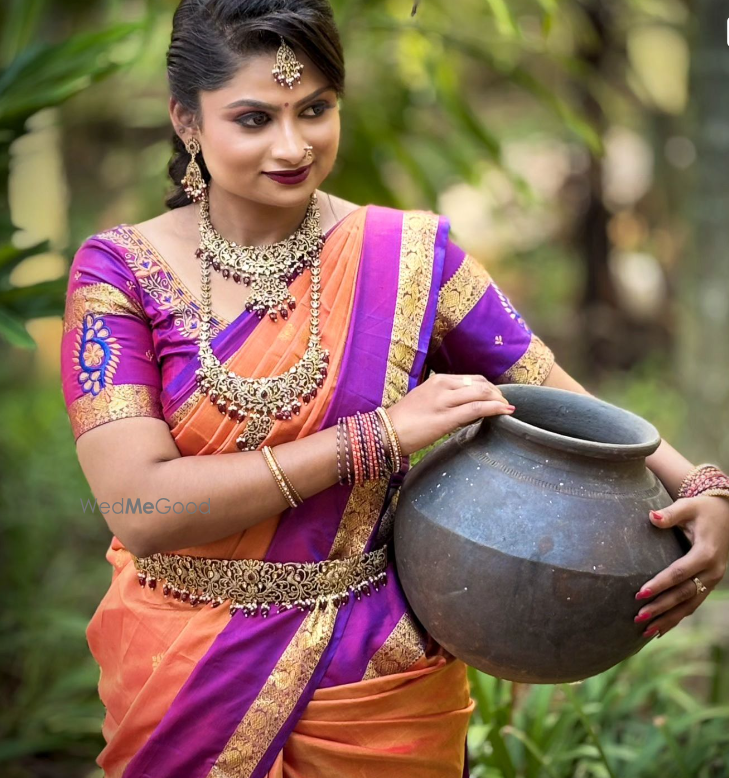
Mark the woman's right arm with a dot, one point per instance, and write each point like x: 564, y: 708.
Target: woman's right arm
x: 136, y: 458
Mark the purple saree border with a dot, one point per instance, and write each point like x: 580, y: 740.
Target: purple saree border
x: 187, y: 740
x: 264, y: 765
x: 426, y: 328
x: 173, y: 748
x: 364, y: 369
x: 351, y: 644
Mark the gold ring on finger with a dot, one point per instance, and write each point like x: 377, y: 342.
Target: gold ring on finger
x: 699, y: 586
x: 467, y: 380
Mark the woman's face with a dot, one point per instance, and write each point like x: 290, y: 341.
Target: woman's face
x: 241, y: 140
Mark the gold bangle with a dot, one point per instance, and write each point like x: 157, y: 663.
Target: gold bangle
x: 280, y: 477
x: 293, y: 491
x: 277, y: 477
x: 714, y: 493
x: 394, y: 441
x: 392, y: 434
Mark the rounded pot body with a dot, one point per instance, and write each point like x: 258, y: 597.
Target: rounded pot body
x: 521, y: 541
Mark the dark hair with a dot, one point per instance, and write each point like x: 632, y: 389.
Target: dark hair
x: 212, y: 38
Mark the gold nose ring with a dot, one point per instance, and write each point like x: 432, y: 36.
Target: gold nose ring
x: 308, y: 150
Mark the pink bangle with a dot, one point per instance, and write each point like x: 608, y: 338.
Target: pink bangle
x: 706, y: 479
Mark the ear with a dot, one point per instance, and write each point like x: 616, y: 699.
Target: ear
x: 183, y: 120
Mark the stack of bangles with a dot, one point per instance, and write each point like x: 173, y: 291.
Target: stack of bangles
x: 370, y: 445
x: 368, y: 449
x: 706, y: 481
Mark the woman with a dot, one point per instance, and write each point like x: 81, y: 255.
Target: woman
x: 323, y: 313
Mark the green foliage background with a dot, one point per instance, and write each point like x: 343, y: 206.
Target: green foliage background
x: 433, y: 101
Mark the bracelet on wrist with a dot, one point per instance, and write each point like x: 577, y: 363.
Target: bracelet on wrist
x: 705, y: 480
x: 293, y: 498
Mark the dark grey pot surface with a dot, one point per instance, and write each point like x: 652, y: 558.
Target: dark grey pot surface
x: 521, y: 541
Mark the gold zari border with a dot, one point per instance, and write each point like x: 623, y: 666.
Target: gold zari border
x: 114, y: 402
x: 278, y: 697
x: 458, y: 297
x: 100, y: 299
x: 254, y: 585
x: 532, y: 368
x: 402, y: 649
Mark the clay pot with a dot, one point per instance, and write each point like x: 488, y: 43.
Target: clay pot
x: 521, y: 541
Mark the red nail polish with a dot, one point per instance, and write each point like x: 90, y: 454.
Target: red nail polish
x: 642, y: 617
x: 650, y: 632
x: 644, y: 594
x: 656, y: 516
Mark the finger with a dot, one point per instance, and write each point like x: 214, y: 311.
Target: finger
x: 663, y: 603
x: 668, y: 619
x: 477, y: 391
x: 477, y: 409
x: 683, y: 569
x: 467, y: 379
x: 679, y: 512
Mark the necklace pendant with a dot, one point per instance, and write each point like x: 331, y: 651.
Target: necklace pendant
x: 255, y: 433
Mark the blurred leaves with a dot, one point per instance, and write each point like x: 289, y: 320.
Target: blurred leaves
x: 35, y: 76
x: 423, y: 110
x: 653, y: 714
x: 52, y: 563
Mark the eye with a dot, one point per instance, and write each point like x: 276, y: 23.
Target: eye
x: 251, y: 119
x: 322, y: 108
x: 319, y: 108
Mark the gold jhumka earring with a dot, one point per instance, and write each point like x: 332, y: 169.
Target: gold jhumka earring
x: 193, y: 182
x: 287, y: 70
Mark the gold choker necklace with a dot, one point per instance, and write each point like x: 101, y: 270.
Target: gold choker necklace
x: 267, y: 269
x: 260, y: 400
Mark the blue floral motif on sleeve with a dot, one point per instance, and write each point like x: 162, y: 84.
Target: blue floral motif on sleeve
x: 97, y: 355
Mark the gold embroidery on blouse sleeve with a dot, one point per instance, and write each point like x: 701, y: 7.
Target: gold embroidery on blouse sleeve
x: 402, y: 649
x: 276, y: 700
x: 458, y: 297
x: 114, y: 402
x: 100, y: 299
x: 532, y: 368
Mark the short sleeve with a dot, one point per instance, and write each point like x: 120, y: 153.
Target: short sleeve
x: 109, y: 369
x: 478, y: 330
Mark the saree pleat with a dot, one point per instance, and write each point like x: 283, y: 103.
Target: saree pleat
x: 408, y: 724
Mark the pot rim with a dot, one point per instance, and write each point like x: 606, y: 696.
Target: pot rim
x: 561, y: 442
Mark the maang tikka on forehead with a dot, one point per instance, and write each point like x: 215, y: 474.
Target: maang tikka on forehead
x: 287, y: 70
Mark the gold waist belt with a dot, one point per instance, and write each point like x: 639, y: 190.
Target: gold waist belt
x: 253, y: 585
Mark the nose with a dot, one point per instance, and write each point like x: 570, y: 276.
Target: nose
x: 289, y: 145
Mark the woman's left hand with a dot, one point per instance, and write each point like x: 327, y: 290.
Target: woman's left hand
x: 705, y: 522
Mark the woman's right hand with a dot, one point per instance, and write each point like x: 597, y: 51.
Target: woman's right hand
x: 441, y: 404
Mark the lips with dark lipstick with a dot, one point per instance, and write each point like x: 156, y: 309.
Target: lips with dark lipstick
x: 289, y: 176
x: 287, y: 172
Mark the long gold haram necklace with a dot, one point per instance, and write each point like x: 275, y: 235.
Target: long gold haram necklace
x: 261, y: 400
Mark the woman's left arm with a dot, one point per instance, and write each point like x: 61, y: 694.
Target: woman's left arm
x: 704, y: 521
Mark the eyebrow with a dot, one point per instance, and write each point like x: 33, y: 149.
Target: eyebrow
x: 259, y: 104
